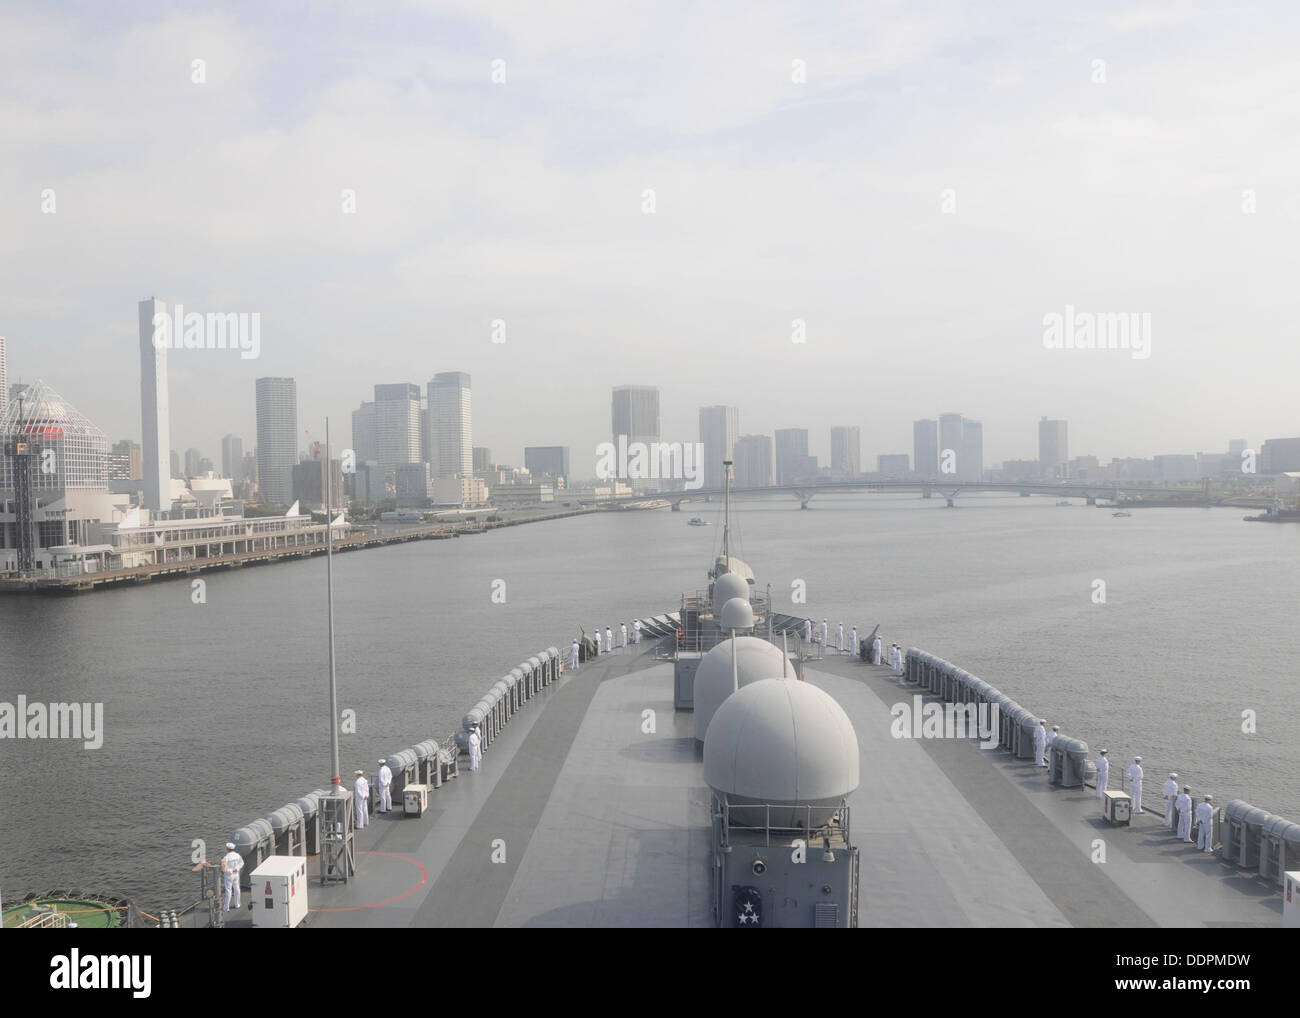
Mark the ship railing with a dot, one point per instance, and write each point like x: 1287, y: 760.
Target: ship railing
x: 45, y: 920
x: 819, y: 822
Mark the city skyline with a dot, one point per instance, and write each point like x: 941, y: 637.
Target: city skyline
x: 155, y: 373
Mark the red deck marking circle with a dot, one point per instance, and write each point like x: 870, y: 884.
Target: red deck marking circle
x: 424, y: 876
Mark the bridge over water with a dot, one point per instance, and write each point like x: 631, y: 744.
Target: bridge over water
x: 1201, y: 494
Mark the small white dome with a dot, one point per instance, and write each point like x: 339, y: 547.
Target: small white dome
x: 725, y: 587
x: 755, y: 659
x: 781, y: 742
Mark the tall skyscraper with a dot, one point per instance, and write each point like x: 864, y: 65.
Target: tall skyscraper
x: 719, y: 429
x: 792, y: 460
x: 634, y: 411
x: 387, y: 431
x: 970, y: 461
x: 925, y: 448
x: 1053, y: 450
x: 846, y: 451
x: 482, y: 459
x: 634, y: 415
x: 4, y: 376
x: 277, y: 438
x: 950, y: 446
x: 753, y: 461
x: 155, y: 412
x: 450, y: 441
x: 232, y: 458
x: 192, y: 457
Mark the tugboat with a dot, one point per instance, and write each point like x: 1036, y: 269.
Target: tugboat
x: 695, y: 521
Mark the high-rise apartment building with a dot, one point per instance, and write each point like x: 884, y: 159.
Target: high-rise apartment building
x: 232, y: 458
x: 925, y: 448
x: 846, y: 451
x: 450, y: 440
x: 1053, y: 448
x: 793, y: 464
x: 753, y: 457
x: 719, y: 429
x: 277, y: 438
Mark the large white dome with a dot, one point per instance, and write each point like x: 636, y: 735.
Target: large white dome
x: 755, y: 659
x: 725, y: 587
x: 782, y: 742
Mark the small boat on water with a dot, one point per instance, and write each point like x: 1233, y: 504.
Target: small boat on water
x: 695, y: 521
x: 1064, y: 503
x: 1121, y: 514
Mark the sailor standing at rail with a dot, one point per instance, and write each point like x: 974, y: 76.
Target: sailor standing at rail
x: 1170, y: 792
x: 825, y: 631
x: 361, y: 796
x: 1103, y: 774
x: 475, y: 748
x: 636, y: 632
x: 231, y: 863
x: 1184, y: 806
x: 1040, y: 742
x: 1205, y: 825
x: 623, y: 630
x: 853, y: 642
x: 876, y: 647
x: 1051, y: 738
x: 807, y: 630
x: 839, y: 637
x: 899, y: 660
x: 573, y: 655
x: 1135, y: 783
x: 609, y: 640
x: 385, y: 787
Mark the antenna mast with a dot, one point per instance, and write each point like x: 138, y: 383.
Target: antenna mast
x: 726, y: 509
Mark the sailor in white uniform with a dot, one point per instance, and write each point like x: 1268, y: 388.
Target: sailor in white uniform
x: 573, y: 656
x: 609, y: 640
x: 636, y: 631
x: 361, y: 798
x: 1184, y: 806
x: 1170, y: 792
x: 385, y: 777
x: 853, y: 642
x: 1051, y: 738
x: 1135, y: 783
x: 839, y: 637
x: 825, y: 631
x: 807, y: 630
x: 622, y: 626
x: 475, y: 749
x: 1040, y: 742
x: 231, y: 863
x: 876, y: 648
x: 1103, y: 774
x: 899, y: 660
x: 1205, y: 825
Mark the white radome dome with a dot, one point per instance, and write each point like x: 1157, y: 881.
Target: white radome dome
x: 787, y: 743
x: 755, y: 659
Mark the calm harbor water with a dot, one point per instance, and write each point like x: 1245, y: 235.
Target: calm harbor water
x: 216, y: 713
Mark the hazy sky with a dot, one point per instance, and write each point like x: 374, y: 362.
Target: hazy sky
x: 1117, y: 186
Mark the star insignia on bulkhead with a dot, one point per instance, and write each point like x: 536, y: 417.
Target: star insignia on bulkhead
x: 747, y: 914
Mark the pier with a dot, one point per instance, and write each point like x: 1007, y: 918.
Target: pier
x: 313, y: 543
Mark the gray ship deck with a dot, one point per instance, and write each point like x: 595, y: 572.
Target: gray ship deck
x: 602, y: 825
